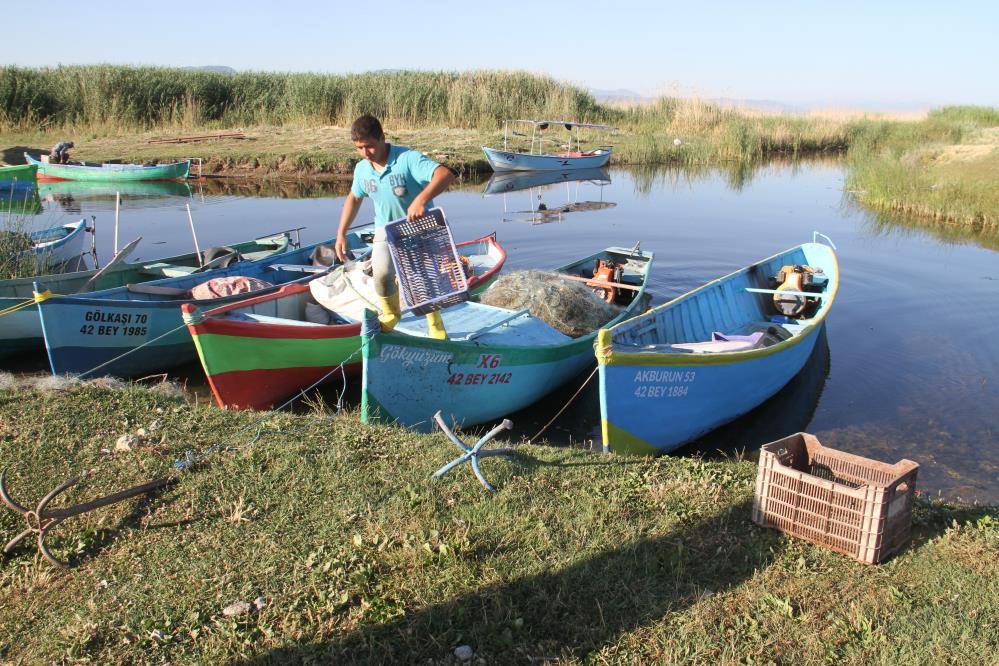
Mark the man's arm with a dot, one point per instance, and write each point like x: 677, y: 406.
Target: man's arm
x: 443, y: 177
x: 350, y: 207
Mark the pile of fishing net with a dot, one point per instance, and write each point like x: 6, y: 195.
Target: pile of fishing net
x: 570, y: 307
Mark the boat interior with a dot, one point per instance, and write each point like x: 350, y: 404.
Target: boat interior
x: 465, y: 322
x: 299, y: 307
x: 742, y: 311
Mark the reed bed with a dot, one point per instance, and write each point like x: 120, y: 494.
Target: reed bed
x: 144, y: 97
x: 110, y: 99
x: 944, y: 168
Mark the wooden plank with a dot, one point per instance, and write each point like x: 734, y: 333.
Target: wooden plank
x: 786, y: 292
x: 600, y: 283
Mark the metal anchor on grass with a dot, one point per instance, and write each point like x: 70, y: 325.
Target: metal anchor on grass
x: 42, y: 519
x: 474, y: 452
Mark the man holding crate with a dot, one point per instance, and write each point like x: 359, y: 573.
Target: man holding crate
x: 402, y: 183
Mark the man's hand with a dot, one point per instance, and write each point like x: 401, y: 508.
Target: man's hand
x: 416, y: 210
x: 341, y: 247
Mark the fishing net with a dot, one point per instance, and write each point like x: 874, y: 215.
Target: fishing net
x: 569, y: 307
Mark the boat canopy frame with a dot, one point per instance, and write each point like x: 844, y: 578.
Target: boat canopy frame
x: 538, y: 128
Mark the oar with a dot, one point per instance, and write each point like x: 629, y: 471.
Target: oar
x: 115, y: 260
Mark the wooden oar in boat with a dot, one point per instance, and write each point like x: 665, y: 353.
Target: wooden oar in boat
x: 115, y: 260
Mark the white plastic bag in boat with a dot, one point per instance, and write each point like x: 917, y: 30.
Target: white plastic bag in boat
x: 347, y: 291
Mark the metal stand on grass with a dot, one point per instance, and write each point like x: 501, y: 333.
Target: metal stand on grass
x: 42, y: 519
x: 474, y: 452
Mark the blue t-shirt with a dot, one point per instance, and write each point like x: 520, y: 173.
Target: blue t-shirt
x: 406, y: 173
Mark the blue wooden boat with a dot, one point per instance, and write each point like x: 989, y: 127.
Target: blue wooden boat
x: 86, y: 334
x: 20, y: 327
x: 684, y: 368
x: 495, y: 362
x: 57, y: 245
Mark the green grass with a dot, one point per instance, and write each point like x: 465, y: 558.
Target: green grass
x: 944, y: 169
x: 361, y: 558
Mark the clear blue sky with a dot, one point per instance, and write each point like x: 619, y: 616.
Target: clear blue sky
x: 844, y: 53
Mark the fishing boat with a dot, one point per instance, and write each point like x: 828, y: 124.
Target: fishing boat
x: 684, y: 368
x: 536, y: 157
x: 95, y: 171
x: 137, y: 329
x: 495, y: 362
x: 21, y: 329
x: 259, y: 352
x: 57, y: 245
x: 20, y: 176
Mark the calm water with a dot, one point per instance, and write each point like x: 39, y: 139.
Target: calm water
x: 908, y: 367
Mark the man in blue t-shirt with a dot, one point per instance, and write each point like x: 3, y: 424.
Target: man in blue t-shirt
x: 402, y: 183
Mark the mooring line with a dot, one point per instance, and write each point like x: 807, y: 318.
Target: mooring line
x: 565, y: 406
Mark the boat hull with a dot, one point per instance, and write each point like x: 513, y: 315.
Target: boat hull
x: 256, y: 365
x: 70, y: 246
x: 21, y: 330
x: 506, y: 160
x: 408, y: 378
x: 647, y: 409
x: 18, y: 176
x: 110, y: 172
x: 655, y: 397
x: 89, y: 335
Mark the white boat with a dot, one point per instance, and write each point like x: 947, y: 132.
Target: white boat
x: 59, y: 244
x: 536, y: 156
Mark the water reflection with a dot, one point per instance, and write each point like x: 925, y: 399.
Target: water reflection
x: 539, y: 185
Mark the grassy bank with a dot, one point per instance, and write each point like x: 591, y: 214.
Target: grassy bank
x: 354, y: 555
x: 104, y: 101
x: 944, y: 168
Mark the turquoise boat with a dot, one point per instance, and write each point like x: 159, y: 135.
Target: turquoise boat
x: 137, y: 329
x: 687, y: 367
x: 495, y: 362
x: 21, y: 329
x: 90, y: 171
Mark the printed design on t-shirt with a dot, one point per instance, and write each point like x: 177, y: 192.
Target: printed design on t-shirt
x: 398, y: 182
x: 370, y: 186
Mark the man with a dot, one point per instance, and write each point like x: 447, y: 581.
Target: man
x: 60, y: 152
x: 401, y: 183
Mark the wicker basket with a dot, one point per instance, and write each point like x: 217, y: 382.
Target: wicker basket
x: 853, y: 505
x: 426, y: 262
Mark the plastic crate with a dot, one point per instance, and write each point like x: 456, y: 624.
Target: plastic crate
x: 848, y: 503
x: 426, y: 262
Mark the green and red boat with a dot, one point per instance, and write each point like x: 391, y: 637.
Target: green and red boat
x: 259, y: 352
x: 97, y: 172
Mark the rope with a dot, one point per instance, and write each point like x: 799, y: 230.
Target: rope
x: 36, y: 298
x: 565, y: 406
x: 190, y: 458
x: 133, y: 349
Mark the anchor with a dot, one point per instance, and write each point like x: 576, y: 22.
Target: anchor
x: 474, y: 452
x: 43, y: 519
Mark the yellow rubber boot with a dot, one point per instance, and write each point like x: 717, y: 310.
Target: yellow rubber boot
x: 435, y: 326
x: 391, y: 313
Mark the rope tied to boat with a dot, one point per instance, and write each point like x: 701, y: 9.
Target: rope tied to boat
x: 191, y: 458
x: 36, y: 297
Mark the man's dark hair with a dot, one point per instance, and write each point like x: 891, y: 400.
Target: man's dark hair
x: 366, y: 127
